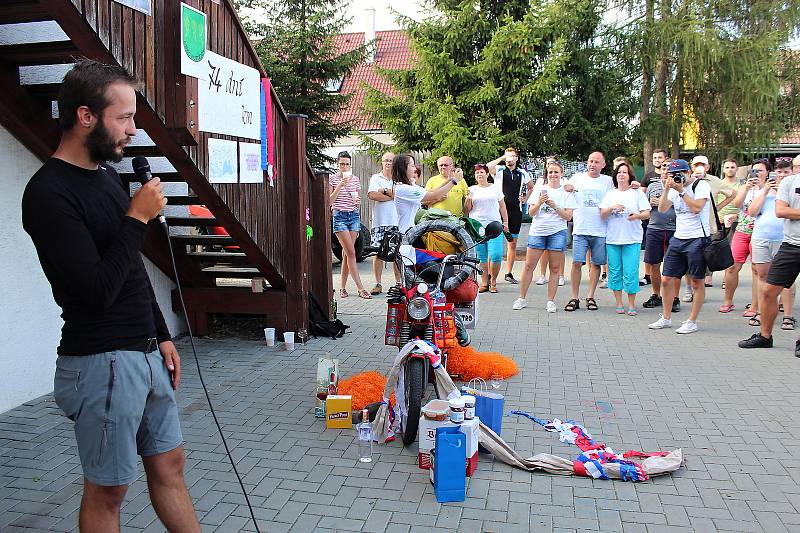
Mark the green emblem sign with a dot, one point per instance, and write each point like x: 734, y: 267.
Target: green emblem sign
x: 193, y: 30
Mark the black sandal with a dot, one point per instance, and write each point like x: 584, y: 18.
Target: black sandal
x: 591, y: 304
x: 755, y: 321
x: 572, y: 305
x: 789, y: 323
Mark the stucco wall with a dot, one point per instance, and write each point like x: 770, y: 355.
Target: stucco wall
x: 29, y: 319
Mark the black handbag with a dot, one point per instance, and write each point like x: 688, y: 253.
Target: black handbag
x: 717, y: 253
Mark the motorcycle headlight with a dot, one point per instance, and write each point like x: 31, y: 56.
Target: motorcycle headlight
x: 419, y: 308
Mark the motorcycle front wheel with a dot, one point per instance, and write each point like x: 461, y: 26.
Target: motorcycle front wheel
x: 415, y: 388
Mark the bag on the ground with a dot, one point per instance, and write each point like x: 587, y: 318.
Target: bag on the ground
x: 717, y: 253
x: 488, y: 406
x: 318, y: 323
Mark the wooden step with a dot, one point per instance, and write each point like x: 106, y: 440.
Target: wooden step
x: 192, y: 221
x: 193, y: 240
x: 232, y: 258
x: 183, y: 200
x: 173, y: 177
x: 17, y: 11
x: 232, y: 272
x: 39, y: 53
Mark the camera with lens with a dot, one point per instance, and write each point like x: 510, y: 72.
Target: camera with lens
x: 678, y: 177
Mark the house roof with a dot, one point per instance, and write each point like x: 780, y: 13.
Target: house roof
x: 393, y: 51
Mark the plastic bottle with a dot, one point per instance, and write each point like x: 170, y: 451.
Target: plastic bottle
x: 364, y: 430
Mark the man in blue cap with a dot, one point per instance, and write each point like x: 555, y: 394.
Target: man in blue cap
x: 689, y: 196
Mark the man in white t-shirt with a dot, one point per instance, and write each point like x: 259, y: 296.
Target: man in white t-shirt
x: 384, y: 214
x: 690, y: 198
x: 588, y: 227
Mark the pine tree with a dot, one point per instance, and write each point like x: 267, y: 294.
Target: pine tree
x: 295, y: 41
x: 490, y: 74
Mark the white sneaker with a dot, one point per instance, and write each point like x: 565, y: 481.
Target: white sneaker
x: 519, y: 303
x: 551, y: 307
x: 687, y: 327
x: 561, y: 281
x: 541, y: 281
x: 661, y: 323
x: 688, y: 296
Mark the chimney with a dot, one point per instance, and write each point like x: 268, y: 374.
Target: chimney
x: 369, y: 33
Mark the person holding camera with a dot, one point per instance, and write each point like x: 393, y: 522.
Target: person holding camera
x: 657, y: 236
x: 740, y: 243
x: 549, y: 215
x: 785, y: 267
x: 689, y: 197
x: 454, y: 201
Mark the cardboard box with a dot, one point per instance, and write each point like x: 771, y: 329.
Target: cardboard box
x: 338, y: 413
x: 427, y: 441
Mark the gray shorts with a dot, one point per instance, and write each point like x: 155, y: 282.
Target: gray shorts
x: 763, y: 251
x: 123, y: 405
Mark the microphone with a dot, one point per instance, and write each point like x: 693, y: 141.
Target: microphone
x: 142, y: 170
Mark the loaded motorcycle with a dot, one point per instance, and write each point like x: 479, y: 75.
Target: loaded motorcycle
x: 417, y: 309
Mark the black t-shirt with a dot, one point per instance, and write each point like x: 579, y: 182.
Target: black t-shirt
x: 649, y: 178
x: 89, y: 251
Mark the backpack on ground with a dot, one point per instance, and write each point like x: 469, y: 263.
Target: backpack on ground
x: 318, y: 323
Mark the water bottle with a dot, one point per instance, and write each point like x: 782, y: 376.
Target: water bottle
x: 364, y: 430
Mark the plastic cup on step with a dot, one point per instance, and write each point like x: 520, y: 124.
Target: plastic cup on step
x: 269, y: 335
x: 288, y: 340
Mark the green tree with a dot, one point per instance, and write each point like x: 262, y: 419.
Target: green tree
x: 719, y: 71
x: 295, y: 41
x: 538, y: 76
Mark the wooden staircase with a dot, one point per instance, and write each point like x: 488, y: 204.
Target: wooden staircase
x: 264, y: 226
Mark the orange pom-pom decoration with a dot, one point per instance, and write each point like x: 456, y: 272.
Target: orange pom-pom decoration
x: 468, y: 363
x: 365, y: 388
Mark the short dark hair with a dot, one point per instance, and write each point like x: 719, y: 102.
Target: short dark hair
x: 399, y: 166
x: 481, y: 166
x: 631, y: 175
x: 731, y: 160
x: 783, y: 164
x: 344, y: 154
x: 85, y: 85
x: 762, y: 161
x: 661, y: 151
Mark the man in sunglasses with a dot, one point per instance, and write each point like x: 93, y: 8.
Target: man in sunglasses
x: 657, y: 237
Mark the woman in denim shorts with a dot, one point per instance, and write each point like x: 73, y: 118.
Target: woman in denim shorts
x: 550, y: 212
x: 345, y: 191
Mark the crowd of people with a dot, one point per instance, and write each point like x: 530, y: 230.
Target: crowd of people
x: 672, y: 213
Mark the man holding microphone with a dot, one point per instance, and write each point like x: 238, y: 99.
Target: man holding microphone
x: 117, y: 369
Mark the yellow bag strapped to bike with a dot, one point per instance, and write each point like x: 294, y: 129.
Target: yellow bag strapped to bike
x: 442, y: 241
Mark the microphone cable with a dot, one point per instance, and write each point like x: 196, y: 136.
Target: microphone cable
x: 141, y: 169
x: 203, y: 382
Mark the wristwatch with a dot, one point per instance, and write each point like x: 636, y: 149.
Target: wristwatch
x: 455, y: 181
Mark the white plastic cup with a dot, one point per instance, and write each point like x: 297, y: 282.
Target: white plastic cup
x: 288, y: 340
x: 269, y: 335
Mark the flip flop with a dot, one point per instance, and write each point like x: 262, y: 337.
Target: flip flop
x: 493, y: 289
x: 619, y: 310
x: 377, y: 289
x: 727, y: 308
x: 749, y: 314
x: 343, y: 293
x: 483, y: 288
x: 632, y: 312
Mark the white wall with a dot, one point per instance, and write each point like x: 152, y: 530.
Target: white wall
x: 29, y: 318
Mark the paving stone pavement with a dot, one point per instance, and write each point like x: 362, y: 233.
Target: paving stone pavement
x: 734, y: 413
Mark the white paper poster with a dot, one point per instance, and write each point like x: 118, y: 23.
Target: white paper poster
x: 139, y: 5
x: 222, y: 161
x: 250, y: 163
x: 229, y: 100
x: 194, y: 40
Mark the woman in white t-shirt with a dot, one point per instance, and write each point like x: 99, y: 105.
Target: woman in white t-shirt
x: 485, y: 203
x: 624, y: 208
x: 409, y: 197
x: 550, y: 210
